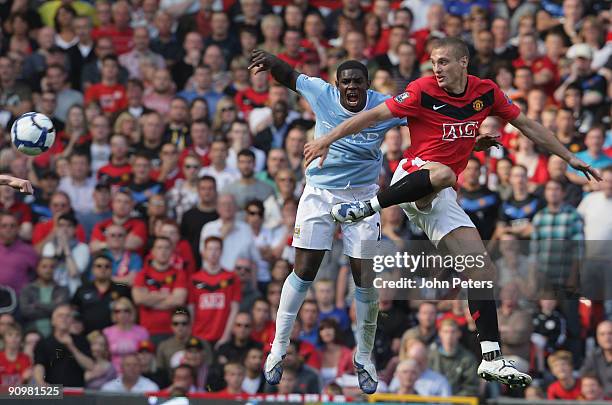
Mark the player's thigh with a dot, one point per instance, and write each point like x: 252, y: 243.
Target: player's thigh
x: 314, y: 225
x: 360, y: 239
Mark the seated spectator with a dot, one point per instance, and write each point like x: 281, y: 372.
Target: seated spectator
x: 131, y: 379
x: 38, y: 299
x: 122, y: 205
x: 168, y: 171
x: 79, y: 184
x: 15, y: 366
x: 199, y: 133
x: 309, y: 320
x: 288, y: 383
x: 254, y: 381
x: 232, y: 232
x: 336, y: 357
x: 248, y: 187
x: 184, y: 194
x: 308, y: 381
x: 125, y: 264
x: 181, y: 329
x: 108, y: 92
x: 118, y: 169
x: 515, y: 326
x: 62, y: 358
x: 152, y: 133
x: 30, y: 340
x: 183, y: 378
x: 72, y: 256
x: 182, y: 256
x: 426, y: 328
x: 45, y: 231
x: 124, y: 335
x: 95, y: 299
x: 285, y: 183
x: 565, y: 386
x: 324, y: 294
x: 141, y: 185
x: 158, y: 289
x: 407, y: 373
x: 18, y: 258
x: 146, y: 356
x: 198, y: 356
x: 103, y: 370
x: 22, y: 211
x: 158, y: 95
x: 593, y: 155
x: 513, y: 266
x: 265, y: 239
x: 549, y: 330
x: 598, y: 360
x: 212, y: 285
x: 557, y: 167
x: 263, y: 328
x: 452, y: 360
x: 239, y: 138
x: 218, y: 169
x: 591, y: 389
x: 240, y: 340
x: 101, y: 209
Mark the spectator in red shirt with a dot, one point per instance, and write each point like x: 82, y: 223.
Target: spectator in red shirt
x: 158, y: 289
x: 122, y: 205
x: 255, y: 96
x: 15, y: 366
x: 120, y: 31
x: 233, y: 374
x: 109, y: 93
x: 544, y: 69
x: 263, y: 327
x: 293, y: 54
x: 168, y: 172
x: 45, y: 231
x: 565, y: 385
x: 22, y: 211
x: 215, y: 295
x: 117, y: 171
x: 182, y: 256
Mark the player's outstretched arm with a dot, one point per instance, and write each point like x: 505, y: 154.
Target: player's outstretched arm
x: 319, y: 147
x: 262, y: 61
x: 19, y: 184
x: 548, y: 141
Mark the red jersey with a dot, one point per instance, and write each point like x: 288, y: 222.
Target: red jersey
x: 43, y: 229
x: 11, y: 371
x: 158, y: 321
x: 115, y: 175
x: 248, y: 99
x: 112, y: 99
x: 556, y: 391
x: 122, y: 40
x: 443, y: 127
x: 212, y: 296
x: 132, y: 226
x: 265, y: 335
x: 20, y: 210
x: 538, y: 65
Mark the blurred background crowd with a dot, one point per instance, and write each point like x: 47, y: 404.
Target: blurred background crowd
x: 153, y: 251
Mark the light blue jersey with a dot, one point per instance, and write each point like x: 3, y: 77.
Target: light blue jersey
x: 355, y: 160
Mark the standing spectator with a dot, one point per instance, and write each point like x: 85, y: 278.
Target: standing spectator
x: 195, y: 356
x: 15, y: 96
x: 168, y: 171
x: 120, y: 31
x: 184, y: 195
x: 336, y: 358
x: 125, y: 264
x: 515, y: 326
x: 72, y: 256
x: 591, y: 389
x: 426, y: 329
x: 308, y: 317
x: 480, y: 203
x: 55, y: 80
x: 62, y: 358
x: 248, y: 284
x: 557, y: 168
x: 18, y: 257
x: 593, y: 155
x: 141, y: 185
x: 46, y: 231
x: 158, y: 289
x: 182, y: 256
x: 275, y: 161
x: 219, y: 169
x: 92, y: 71
x: 146, y: 355
x: 215, y: 294
x: 100, y: 150
x: 152, y: 136
x: 285, y: 184
x: 124, y: 335
x: 122, y: 205
x: 456, y: 363
x: 308, y: 380
x: 94, y: 300
x: 534, y: 162
x: 109, y: 92
x: 140, y: 54
x: 83, y: 51
x: 565, y: 386
x: 135, y: 95
x: 549, y: 330
x: 263, y: 326
x: 103, y: 370
x: 324, y: 295
x: 15, y: 366
x: 294, y: 146
x: 79, y: 184
x: 253, y: 382
x: 201, y: 87
x: 240, y: 139
x: 199, y: 215
x: 240, y: 341
x: 248, y: 187
x: 131, y: 379
x: 177, y: 130
x: 38, y: 298
x: 165, y: 43
x: 599, y: 359
x: 10, y: 203
x: 159, y: 95
x: 199, y: 132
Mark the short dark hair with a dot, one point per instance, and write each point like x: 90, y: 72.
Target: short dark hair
x: 352, y: 64
x: 256, y: 203
x: 208, y: 178
x: 69, y: 217
x: 247, y: 152
x: 111, y: 57
x: 457, y: 45
x: 182, y: 311
x: 103, y: 256
x: 213, y: 239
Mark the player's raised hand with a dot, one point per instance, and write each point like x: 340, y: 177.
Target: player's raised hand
x: 261, y: 61
x: 588, y: 171
x: 315, y: 149
x: 19, y: 184
x: 486, y: 141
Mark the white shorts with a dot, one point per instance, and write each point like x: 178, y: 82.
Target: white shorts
x: 315, y: 227
x: 442, y: 216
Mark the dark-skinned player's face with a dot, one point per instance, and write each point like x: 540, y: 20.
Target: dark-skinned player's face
x: 447, y: 68
x: 353, y: 86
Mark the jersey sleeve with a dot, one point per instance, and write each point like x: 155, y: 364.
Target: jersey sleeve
x: 406, y: 104
x: 310, y: 88
x: 503, y: 107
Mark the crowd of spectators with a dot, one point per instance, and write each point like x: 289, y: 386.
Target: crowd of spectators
x: 152, y: 253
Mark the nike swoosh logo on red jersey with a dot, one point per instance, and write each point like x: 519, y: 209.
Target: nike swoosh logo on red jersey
x: 437, y: 107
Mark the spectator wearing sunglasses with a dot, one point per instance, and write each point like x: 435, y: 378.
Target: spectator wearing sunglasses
x: 94, y: 299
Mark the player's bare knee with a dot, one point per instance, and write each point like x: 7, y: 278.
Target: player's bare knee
x: 442, y: 177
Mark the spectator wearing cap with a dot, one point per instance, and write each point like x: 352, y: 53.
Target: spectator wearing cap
x: 23, y: 213
x: 198, y: 355
x: 117, y: 171
x: 140, y: 54
x: 565, y: 385
x: 254, y: 381
x: 454, y: 361
x: 18, y: 258
x: 215, y: 294
x: 599, y: 360
x: 94, y: 299
x: 62, y: 358
x: 158, y: 289
x: 148, y: 364
x: 103, y: 370
x: 593, y: 155
x: 79, y: 185
x: 35, y: 306
x: 131, y: 379
x: 108, y: 92
x: 219, y: 168
x: 101, y: 209
x: 122, y: 205
x: 593, y: 85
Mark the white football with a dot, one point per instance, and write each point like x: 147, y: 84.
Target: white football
x: 33, y: 133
